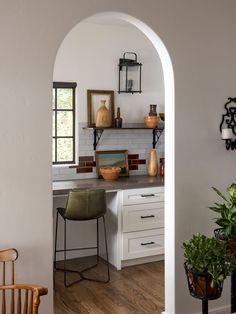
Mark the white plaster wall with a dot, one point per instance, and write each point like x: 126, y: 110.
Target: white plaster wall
x: 89, y: 55
x: 200, y: 37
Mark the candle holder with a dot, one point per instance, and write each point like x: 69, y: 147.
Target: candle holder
x: 228, y: 124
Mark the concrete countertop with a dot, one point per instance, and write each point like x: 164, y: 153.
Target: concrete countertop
x: 123, y: 183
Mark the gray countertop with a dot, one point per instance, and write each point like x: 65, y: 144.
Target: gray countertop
x: 123, y: 183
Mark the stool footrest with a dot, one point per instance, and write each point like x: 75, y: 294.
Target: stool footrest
x: 76, y: 249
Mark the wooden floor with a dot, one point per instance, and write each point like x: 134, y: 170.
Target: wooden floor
x: 136, y: 289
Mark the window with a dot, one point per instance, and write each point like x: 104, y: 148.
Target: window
x: 63, y: 128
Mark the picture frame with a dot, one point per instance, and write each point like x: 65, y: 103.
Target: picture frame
x: 93, y: 103
x: 112, y: 158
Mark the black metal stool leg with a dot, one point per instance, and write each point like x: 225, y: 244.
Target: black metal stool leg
x: 64, y: 262
x: 105, y: 234
x: 55, y: 246
x: 55, y: 252
x: 204, y: 306
x: 97, y: 241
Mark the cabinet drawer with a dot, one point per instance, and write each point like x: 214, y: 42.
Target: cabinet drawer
x: 143, y: 244
x: 146, y: 195
x: 143, y: 216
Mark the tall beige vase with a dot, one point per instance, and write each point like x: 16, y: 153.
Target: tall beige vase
x: 152, y: 163
x: 103, y: 118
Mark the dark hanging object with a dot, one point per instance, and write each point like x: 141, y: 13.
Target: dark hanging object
x: 228, y: 124
x: 129, y: 74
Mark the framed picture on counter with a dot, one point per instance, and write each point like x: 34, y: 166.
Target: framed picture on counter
x: 112, y: 158
x: 94, y: 98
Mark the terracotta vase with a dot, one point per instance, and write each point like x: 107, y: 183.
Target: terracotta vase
x: 103, y: 118
x: 152, y: 163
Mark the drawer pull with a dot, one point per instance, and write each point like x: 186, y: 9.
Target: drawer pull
x: 148, y: 243
x: 148, y: 216
x: 147, y: 195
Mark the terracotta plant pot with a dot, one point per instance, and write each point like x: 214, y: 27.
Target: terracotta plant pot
x: 110, y: 173
x: 199, y: 284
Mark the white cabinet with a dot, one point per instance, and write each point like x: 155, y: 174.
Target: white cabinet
x: 142, y: 227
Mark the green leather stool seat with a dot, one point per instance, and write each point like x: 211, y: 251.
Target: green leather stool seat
x: 84, y: 204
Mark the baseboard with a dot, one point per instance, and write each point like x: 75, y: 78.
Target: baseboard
x: 219, y: 310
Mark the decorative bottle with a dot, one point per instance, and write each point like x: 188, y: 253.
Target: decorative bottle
x: 153, y: 110
x: 162, y: 167
x: 103, y: 118
x: 118, y: 119
x: 152, y: 163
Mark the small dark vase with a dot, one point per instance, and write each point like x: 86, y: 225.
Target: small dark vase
x: 153, y: 110
x: 118, y: 119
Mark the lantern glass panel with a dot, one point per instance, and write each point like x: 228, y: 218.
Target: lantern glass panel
x: 133, y: 78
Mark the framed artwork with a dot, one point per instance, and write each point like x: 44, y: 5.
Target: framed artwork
x: 94, y: 98
x: 112, y: 158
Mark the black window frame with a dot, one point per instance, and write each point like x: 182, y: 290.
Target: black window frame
x: 65, y: 85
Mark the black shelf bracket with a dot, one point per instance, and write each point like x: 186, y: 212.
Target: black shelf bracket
x: 97, y: 134
x: 156, y: 133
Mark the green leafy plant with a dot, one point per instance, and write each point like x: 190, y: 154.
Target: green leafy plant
x: 227, y: 211
x: 210, y: 255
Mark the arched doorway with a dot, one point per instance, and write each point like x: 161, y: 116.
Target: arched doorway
x: 169, y: 153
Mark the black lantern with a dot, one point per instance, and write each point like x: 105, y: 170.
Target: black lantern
x: 129, y: 74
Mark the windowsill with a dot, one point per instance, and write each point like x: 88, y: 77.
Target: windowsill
x: 63, y: 165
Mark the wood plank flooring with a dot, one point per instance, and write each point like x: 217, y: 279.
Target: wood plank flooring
x: 136, y: 289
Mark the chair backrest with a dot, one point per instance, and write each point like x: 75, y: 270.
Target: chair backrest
x: 85, y: 204
x: 17, y: 298
x: 8, y: 257
x: 21, y: 299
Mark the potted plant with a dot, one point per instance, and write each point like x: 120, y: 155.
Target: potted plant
x: 207, y: 263
x: 227, y: 218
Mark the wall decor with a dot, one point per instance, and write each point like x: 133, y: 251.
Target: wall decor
x: 112, y: 158
x: 94, y: 98
x: 228, y: 124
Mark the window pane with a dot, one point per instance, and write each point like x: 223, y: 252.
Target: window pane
x: 53, y: 150
x: 53, y: 123
x: 64, y: 149
x: 64, y: 98
x: 53, y: 98
x: 64, y: 123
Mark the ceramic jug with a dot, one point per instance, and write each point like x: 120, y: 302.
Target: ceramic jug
x: 103, y: 118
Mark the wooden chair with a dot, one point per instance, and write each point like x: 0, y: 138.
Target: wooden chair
x: 17, y: 298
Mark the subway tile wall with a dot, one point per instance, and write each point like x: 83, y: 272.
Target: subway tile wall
x: 137, y: 142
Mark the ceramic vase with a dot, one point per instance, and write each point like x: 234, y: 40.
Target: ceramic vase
x: 152, y: 163
x: 103, y: 118
x: 153, y: 110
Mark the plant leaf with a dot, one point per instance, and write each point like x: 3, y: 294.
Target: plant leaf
x: 220, y: 194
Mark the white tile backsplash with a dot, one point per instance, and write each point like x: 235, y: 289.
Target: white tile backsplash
x: 135, y: 141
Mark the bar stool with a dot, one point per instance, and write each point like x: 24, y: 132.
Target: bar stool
x: 84, y: 204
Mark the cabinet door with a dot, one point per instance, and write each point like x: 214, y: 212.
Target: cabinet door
x: 141, y: 196
x: 143, y: 243
x: 143, y: 216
